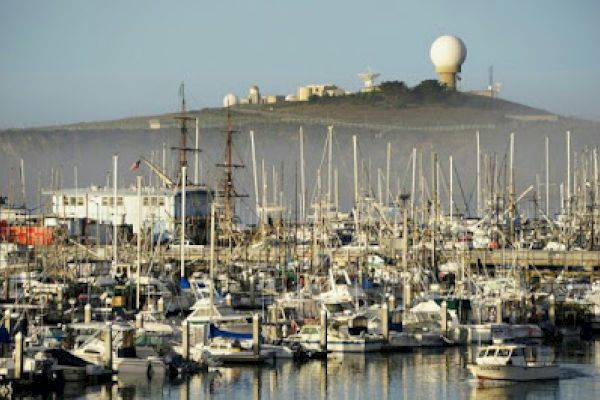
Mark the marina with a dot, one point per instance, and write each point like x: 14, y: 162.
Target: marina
x: 404, y: 232
x: 178, y: 285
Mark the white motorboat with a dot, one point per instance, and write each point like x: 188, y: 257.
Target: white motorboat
x: 230, y: 351
x: 338, y: 340
x: 514, y: 363
x: 124, y: 357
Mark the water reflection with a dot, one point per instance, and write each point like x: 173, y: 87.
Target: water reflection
x: 425, y: 374
x: 516, y: 391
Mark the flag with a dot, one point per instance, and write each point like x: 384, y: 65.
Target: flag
x: 134, y: 165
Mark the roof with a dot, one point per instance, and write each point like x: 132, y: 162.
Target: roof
x: 104, y: 191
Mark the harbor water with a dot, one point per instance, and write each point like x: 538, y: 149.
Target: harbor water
x: 422, y: 374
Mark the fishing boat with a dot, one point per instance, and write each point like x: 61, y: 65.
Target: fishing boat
x: 514, y: 363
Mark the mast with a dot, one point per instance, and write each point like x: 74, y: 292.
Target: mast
x: 547, y: 176
x: 478, y: 175
x: 228, y: 192
x: 264, y: 193
x: 329, y: 164
x: 164, y: 163
x: 568, y: 184
x: 115, y: 216
x: 255, y: 173
x: 182, y: 237
x: 138, y: 242
x: 413, y: 186
x: 183, y: 130
x: 212, y: 256
x: 451, y: 202
x: 22, y: 176
x: 387, y: 172
x: 355, y: 170
x: 336, y: 192
x: 197, y: 154
x: 511, y: 188
x: 302, y: 181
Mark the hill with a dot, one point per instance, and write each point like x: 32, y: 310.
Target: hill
x: 446, y: 126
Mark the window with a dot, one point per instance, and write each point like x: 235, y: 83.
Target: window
x: 72, y: 201
x: 518, y: 352
x: 105, y: 201
x: 491, y: 352
x: 161, y: 201
x: 482, y: 353
x: 119, y: 201
x: 153, y: 201
x: 80, y: 201
x: 145, y: 201
x: 503, y: 353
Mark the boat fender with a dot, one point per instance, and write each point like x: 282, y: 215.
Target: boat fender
x: 149, y: 370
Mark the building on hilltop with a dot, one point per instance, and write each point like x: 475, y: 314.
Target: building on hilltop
x: 306, y: 92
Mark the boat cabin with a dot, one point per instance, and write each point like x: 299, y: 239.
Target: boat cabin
x: 516, y: 355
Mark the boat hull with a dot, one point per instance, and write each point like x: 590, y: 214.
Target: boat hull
x: 514, y: 373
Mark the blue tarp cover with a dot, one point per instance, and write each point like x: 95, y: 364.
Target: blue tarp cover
x: 214, y: 331
x: 4, y: 335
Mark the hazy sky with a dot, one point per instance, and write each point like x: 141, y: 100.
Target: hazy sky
x: 68, y: 61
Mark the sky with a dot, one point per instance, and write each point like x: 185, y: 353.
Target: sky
x: 67, y: 61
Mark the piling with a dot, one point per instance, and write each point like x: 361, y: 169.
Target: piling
x: 391, y: 302
x: 406, y: 295
x: 185, y: 339
x: 87, y: 313
x: 59, y: 299
x: 139, y: 321
x: 444, y: 317
x: 18, y: 355
x: 323, y: 337
x: 552, y: 309
x: 7, y: 320
x: 252, y: 292
x: 256, y: 322
x: 161, y: 306
x: 498, y: 311
x: 108, y: 346
x: 385, y: 322
x: 272, y: 311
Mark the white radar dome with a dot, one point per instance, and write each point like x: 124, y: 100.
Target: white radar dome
x: 230, y: 100
x: 448, y: 53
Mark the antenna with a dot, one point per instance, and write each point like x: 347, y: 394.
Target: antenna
x: 491, y: 80
x: 368, y: 79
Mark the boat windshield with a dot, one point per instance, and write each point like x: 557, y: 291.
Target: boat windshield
x: 503, y: 352
x: 490, y: 352
x: 518, y: 352
x: 339, y: 307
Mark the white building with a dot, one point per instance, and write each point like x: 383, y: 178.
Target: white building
x: 159, y: 206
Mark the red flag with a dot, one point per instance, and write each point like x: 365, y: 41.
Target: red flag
x: 135, y: 165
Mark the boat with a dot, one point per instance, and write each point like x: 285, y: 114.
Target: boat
x: 514, y: 363
x: 124, y: 357
x: 339, y: 340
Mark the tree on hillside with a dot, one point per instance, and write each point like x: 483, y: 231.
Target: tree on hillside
x: 393, y: 87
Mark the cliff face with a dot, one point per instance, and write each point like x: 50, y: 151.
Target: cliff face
x: 447, y: 130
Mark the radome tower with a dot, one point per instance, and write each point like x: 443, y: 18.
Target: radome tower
x: 447, y: 54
